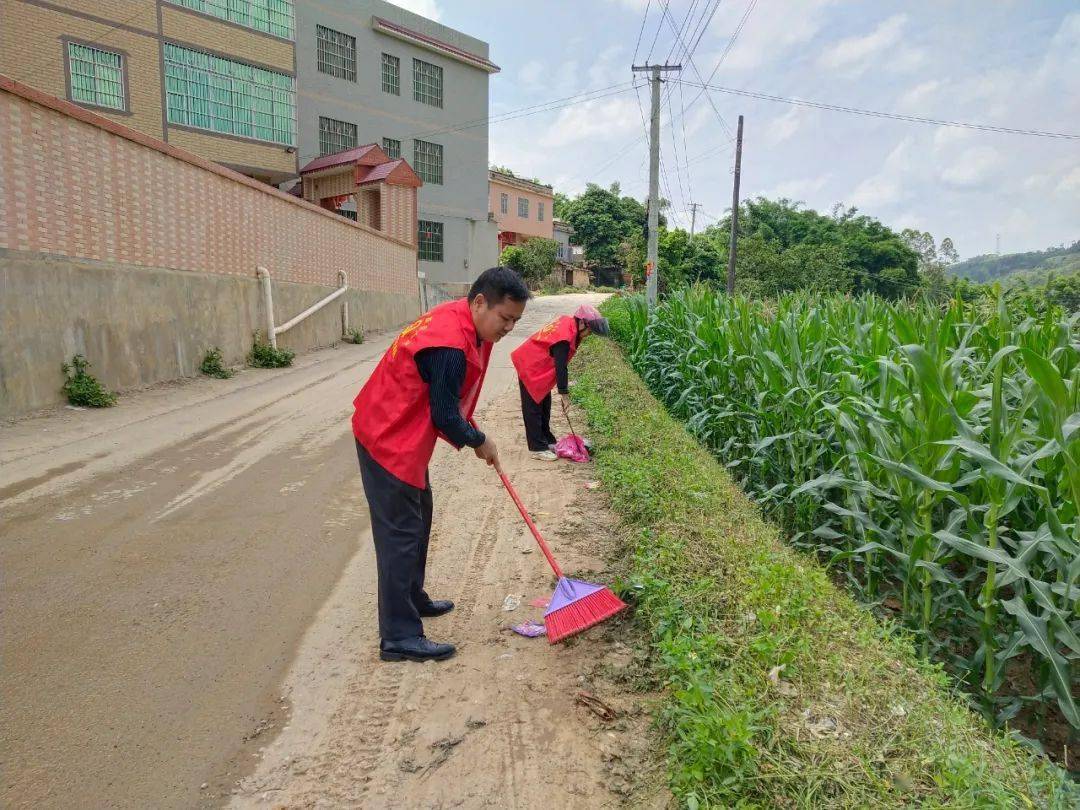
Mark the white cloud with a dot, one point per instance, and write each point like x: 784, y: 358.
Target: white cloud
x: 856, y: 53
x: 887, y: 186
x: 531, y: 73
x: 1070, y: 183
x: 799, y: 189
x: 425, y: 8
x: 785, y: 126
x: 945, y: 137
x: 608, y: 67
x: 766, y: 38
x: 594, y: 121
x: 918, y: 96
x: 973, y: 168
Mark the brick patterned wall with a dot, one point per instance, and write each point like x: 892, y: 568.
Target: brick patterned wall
x: 75, y: 184
x: 399, y: 212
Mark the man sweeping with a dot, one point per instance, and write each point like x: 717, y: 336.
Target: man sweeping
x: 426, y: 386
x: 541, y: 363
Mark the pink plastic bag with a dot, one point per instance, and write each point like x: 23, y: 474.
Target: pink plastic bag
x: 572, y: 447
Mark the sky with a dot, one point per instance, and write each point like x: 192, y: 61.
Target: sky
x: 1006, y: 63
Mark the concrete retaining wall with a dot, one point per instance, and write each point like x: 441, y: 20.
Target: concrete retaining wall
x: 140, y: 325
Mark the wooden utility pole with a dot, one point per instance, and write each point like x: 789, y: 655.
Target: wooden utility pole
x: 734, y: 213
x: 693, y: 218
x: 654, y: 72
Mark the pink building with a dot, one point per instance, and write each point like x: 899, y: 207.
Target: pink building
x: 521, y: 208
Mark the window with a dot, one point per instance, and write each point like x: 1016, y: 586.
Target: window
x: 391, y: 147
x: 427, y: 82
x: 335, y: 136
x: 233, y: 98
x: 430, y: 241
x: 540, y: 211
x: 97, y: 77
x: 391, y: 74
x: 523, y: 207
x: 504, y: 203
x: 271, y: 16
x: 427, y: 160
x: 336, y: 53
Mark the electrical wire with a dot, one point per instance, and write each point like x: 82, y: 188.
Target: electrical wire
x: 917, y: 119
x: 641, y: 31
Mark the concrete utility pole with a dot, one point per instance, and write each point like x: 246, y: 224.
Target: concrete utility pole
x: 734, y: 212
x: 654, y: 175
x: 693, y: 219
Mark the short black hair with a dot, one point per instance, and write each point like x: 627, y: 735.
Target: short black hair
x: 498, y: 283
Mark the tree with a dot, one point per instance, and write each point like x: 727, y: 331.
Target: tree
x: 947, y: 251
x: 533, y: 260
x: 602, y: 220
x: 559, y: 205
x: 872, y: 256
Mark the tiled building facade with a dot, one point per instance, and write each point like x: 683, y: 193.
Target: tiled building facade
x: 215, y: 77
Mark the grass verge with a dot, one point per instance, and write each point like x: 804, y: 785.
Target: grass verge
x: 781, y: 691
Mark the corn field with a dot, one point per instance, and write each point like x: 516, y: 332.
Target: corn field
x: 931, y: 456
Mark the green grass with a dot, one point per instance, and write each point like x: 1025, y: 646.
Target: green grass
x: 781, y: 691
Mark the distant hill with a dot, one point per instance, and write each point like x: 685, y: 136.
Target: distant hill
x: 1036, y: 265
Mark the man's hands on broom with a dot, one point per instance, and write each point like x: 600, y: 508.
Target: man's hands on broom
x: 489, y: 453
x: 564, y: 400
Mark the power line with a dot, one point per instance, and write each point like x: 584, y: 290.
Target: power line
x: 521, y: 112
x: 693, y: 66
x: 675, y: 152
x: 659, y: 26
x: 685, y: 151
x: 644, y: 19
x: 918, y: 119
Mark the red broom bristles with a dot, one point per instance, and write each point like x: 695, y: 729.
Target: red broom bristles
x: 582, y: 614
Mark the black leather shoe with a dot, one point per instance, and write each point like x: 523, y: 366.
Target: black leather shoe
x: 436, y: 607
x: 419, y: 648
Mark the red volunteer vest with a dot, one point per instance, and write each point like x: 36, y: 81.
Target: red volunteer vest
x: 393, y: 413
x: 535, y: 365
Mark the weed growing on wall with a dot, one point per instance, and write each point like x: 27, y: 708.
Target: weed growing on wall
x: 354, y: 336
x: 263, y: 355
x: 213, y: 367
x: 84, y: 389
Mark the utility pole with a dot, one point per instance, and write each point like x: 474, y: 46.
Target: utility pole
x: 654, y: 72
x: 999, y: 244
x: 693, y: 219
x: 734, y: 212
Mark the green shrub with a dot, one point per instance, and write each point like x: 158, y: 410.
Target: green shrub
x: 354, y: 336
x: 84, y: 389
x: 263, y: 355
x: 781, y: 691
x: 212, y: 365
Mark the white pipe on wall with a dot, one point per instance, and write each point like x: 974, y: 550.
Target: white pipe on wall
x: 268, y: 304
x: 340, y: 291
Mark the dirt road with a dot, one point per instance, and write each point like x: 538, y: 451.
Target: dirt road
x: 188, y: 609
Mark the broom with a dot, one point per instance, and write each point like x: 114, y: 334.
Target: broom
x: 575, y: 605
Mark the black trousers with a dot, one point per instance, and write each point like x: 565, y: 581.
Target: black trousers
x: 401, y: 526
x: 537, y: 418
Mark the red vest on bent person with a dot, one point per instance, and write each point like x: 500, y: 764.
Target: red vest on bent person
x: 392, y: 419
x: 533, y: 361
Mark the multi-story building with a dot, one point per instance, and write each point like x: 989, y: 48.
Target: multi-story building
x: 215, y: 77
x: 370, y: 72
x: 521, y: 208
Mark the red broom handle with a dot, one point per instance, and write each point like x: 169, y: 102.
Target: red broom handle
x: 525, y: 514
x: 532, y: 526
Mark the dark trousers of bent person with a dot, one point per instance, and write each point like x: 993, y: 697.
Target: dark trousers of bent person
x: 401, y: 526
x: 537, y: 419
